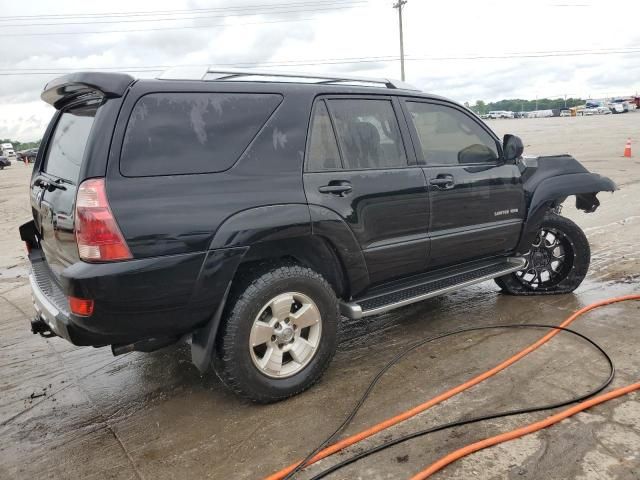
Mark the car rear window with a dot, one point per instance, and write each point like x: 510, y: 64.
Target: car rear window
x: 182, y: 133
x: 323, y: 147
x: 67, y: 145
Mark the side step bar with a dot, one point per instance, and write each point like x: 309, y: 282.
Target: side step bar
x: 436, y: 284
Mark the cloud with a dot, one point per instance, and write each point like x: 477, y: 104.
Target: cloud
x: 432, y: 29
x: 25, y: 122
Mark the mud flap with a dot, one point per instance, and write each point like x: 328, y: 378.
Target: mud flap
x: 203, y: 339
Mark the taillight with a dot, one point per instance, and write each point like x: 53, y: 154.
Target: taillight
x: 97, y: 233
x: 81, y: 306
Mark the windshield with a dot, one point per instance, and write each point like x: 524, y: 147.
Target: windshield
x: 67, y: 145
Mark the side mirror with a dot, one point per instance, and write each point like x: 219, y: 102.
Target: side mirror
x: 512, y: 147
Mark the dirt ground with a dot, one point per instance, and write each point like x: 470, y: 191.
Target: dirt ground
x: 68, y: 412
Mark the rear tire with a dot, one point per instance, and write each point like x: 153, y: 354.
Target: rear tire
x: 557, y: 262
x: 278, y: 333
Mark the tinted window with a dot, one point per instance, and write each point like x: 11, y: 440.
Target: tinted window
x: 323, y: 148
x: 368, y: 133
x: 66, y: 147
x: 449, y: 137
x: 177, y: 133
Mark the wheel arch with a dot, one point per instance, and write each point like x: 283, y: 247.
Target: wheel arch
x: 311, y: 236
x: 548, y: 193
x: 311, y: 251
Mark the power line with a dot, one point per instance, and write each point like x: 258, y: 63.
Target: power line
x: 326, y: 7
x: 301, y: 63
x: 369, y: 58
x: 326, y: 61
x: 216, y: 25
x: 235, y: 64
x: 166, y: 12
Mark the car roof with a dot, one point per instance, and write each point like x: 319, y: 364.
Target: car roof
x: 63, y: 89
x: 253, y: 75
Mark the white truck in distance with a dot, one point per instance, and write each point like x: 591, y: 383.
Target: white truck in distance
x: 7, y: 150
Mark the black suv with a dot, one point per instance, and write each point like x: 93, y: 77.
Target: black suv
x: 245, y: 212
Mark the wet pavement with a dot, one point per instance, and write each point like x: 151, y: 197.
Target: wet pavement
x: 68, y: 412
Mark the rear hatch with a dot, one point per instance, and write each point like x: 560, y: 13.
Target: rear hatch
x: 54, y: 185
x: 74, y: 148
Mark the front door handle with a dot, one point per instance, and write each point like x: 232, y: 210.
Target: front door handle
x: 339, y: 188
x: 444, y: 182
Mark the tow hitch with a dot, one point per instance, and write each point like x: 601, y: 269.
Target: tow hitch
x: 40, y: 326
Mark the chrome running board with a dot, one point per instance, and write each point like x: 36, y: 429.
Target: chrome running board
x: 432, y: 285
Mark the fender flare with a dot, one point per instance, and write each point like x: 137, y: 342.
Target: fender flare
x: 261, y: 224
x: 288, y: 221
x: 552, y: 191
x: 330, y: 225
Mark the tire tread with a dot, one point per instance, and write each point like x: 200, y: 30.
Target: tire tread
x: 249, y: 285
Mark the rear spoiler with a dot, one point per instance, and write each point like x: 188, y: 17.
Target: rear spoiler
x: 90, y: 84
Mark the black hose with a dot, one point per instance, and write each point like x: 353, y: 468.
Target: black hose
x: 437, y: 428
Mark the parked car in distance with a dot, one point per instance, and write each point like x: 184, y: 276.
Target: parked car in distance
x: 4, y: 162
x: 565, y: 113
x: 618, y: 107
x: 500, y: 114
x: 246, y: 212
x: 30, y: 155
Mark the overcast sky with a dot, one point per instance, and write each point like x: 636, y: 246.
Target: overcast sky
x: 539, y: 47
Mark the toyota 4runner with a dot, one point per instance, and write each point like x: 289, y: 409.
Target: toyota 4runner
x: 245, y: 212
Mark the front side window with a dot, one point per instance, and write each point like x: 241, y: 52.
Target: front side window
x: 449, y: 137
x: 182, y: 133
x: 368, y: 133
x: 323, y: 148
x: 66, y: 147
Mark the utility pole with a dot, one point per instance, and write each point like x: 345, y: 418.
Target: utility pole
x: 399, y: 5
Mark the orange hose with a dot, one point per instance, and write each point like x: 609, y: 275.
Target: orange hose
x: 532, y: 427
x: 347, y: 442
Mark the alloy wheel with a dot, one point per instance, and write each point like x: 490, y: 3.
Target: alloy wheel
x: 549, y: 260
x: 285, y: 335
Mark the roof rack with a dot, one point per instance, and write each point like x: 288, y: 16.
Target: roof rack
x: 240, y: 75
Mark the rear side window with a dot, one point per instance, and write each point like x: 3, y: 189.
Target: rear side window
x: 449, y: 137
x: 368, y: 133
x: 323, y: 148
x: 181, y: 133
x: 67, y: 145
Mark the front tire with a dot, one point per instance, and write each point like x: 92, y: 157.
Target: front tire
x: 278, y: 334
x: 557, y: 262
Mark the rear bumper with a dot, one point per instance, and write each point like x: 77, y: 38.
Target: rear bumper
x: 56, y: 319
x: 135, y: 300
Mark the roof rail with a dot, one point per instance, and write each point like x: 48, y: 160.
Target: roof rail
x: 233, y: 74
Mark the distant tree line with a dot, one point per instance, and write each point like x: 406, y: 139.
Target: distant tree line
x: 18, y: 146
x: 520, y: 105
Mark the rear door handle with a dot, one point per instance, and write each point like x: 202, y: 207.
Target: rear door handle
x: 443, y: 181
x: 336, y: 188
x: 49, y: 186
